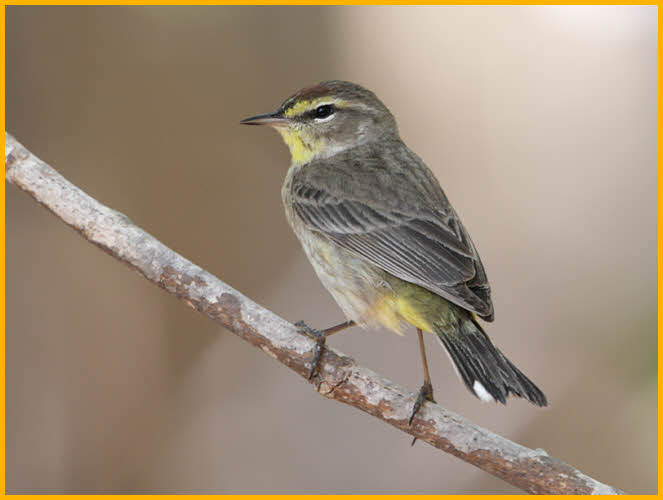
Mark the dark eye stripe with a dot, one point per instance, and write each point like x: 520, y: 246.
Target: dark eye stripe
x: 319, y: 112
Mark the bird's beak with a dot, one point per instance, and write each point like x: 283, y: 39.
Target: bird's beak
x: 275, y: 119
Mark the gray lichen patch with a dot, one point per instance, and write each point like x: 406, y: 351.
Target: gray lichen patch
x: 280, y: 333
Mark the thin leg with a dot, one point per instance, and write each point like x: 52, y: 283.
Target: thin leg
x: 424, y: 361
x: 426, y: 391
x: 320, y: 336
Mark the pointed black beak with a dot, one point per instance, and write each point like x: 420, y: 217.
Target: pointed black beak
x: 275, y: 119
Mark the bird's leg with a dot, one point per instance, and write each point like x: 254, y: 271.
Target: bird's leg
x: 320, y: 336
x: 426, y: 391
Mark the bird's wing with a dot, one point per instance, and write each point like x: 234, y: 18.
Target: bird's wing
x: 407, y: 228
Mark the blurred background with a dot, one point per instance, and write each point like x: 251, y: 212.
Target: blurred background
x: 539, y: 122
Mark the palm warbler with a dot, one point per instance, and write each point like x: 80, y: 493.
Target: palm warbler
x: 383, y: 237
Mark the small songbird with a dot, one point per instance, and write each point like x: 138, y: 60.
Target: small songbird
x: 383, y: 237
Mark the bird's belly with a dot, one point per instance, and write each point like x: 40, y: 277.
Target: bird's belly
x: 365, y: 293
x: 361, y: 289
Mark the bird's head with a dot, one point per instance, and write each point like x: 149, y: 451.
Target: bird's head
x: 330, y: 117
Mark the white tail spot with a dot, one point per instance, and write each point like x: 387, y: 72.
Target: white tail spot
x: 481, y: 392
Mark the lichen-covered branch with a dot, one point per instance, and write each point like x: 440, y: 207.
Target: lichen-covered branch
x: 340, y: 378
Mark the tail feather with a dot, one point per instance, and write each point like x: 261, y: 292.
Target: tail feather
x: 486, y: 372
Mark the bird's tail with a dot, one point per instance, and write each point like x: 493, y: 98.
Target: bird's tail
x: 486, y: 372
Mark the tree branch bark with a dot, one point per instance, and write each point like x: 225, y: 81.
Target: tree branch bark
x: 340, y: 377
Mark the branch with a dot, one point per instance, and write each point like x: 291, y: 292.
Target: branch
x: 340, y: 378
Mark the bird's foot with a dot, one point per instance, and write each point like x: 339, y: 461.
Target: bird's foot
x: 320, y: 337
x: 425, y: 394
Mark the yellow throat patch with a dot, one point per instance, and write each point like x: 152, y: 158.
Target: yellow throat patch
x: 301, y: 150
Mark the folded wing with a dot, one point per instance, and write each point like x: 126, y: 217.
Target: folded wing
x: 421, y: 242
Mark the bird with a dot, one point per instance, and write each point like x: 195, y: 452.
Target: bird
x: 383, y: 237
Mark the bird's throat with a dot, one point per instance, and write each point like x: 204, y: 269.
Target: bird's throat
x: 302, y: 148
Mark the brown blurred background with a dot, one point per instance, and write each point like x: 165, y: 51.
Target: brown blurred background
x: 541, y: 125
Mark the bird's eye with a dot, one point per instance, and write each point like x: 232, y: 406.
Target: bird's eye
x: 324, y: 111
